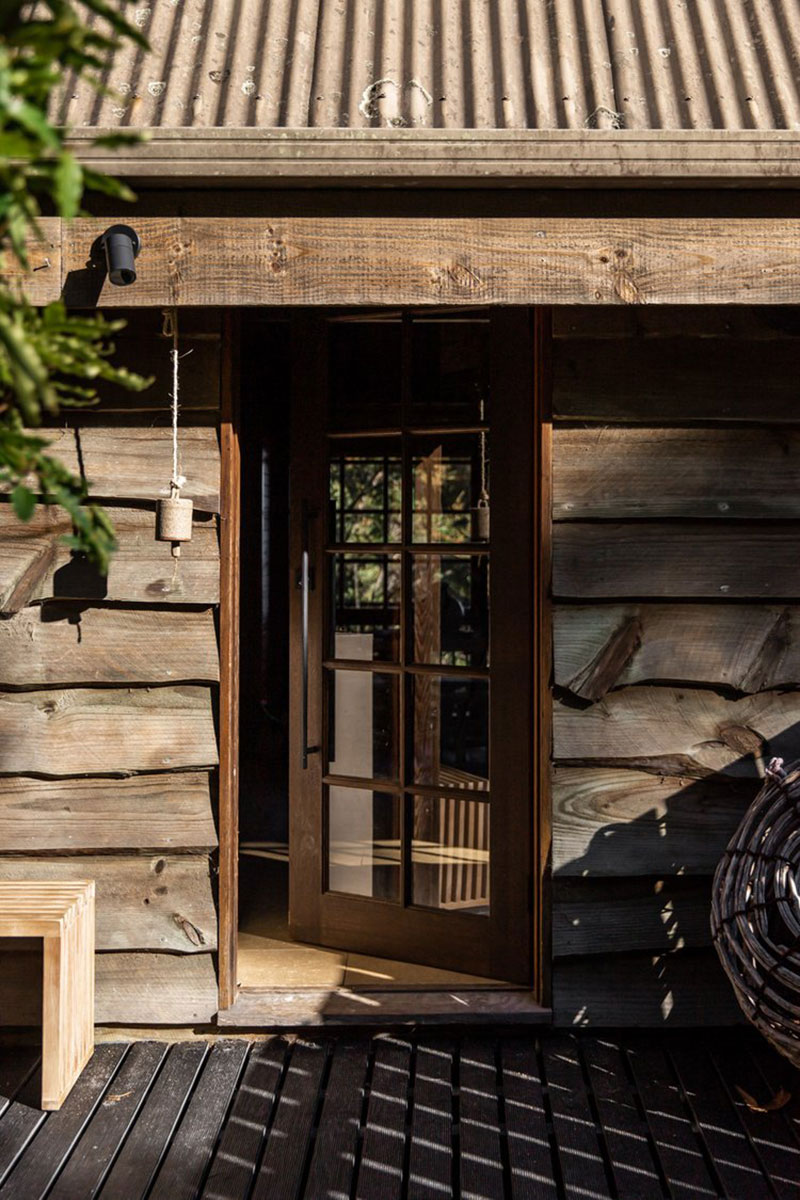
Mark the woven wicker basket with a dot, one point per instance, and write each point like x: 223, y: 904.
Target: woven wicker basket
x: 755, y: 910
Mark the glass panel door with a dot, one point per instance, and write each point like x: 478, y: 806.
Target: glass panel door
x: 401, y: 461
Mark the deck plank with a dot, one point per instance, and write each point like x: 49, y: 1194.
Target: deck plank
x: 737, y: 1165
x: 577, y: 1134
x: 88, y: 1162
x: 236, y: 1160
x: 19, y: 1121
x: 430, y: 1167
x: 481, y: 1160
x: 288, y: 1143
x: 55, y: 1138
x: 136, y: 1166
x: 626, y: 1133
x: 529, y: 1153
x: 336, y: 1144
x: 186, y: 1162
x: 380, y: 1175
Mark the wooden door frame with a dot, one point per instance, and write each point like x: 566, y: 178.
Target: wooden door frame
x: 541, y: 731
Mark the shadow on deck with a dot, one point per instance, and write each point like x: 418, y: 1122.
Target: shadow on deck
x: 406, y: 1116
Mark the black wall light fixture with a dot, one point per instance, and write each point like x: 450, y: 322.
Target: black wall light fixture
x: 121, y: 245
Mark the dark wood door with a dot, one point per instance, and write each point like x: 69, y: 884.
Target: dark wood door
x: 413, y: 545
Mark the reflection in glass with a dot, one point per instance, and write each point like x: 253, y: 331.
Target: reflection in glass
x: 365, y: 493
x: 363, y: 843
x: 446, y: 488
x: 362, y: 724
x: 451, y: 732
x: 365, y: 591
x: 451, y: 609
x: 450, y: 375
x: 365, y: 377
x: 450, y: 854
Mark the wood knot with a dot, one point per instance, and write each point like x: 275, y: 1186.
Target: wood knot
x: 458, y: 276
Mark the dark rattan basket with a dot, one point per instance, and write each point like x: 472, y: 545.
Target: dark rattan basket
x: 755, y: 910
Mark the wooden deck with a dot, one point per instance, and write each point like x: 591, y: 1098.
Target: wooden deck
x: 407, y: 1116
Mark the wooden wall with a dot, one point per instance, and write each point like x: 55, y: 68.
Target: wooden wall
x: 676, y: 638
x: 108, y: 696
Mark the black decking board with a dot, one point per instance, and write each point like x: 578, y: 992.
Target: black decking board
x: 17, y: 1064
x: 529, y: 1151
x: 737, y: 1165
x: 767, y: 1131
x: 336, y: 1143
x: 576, y: 1131
x: 288, y: 1145
x: 626, y: 1133
x: 679, y: 1147
x: 136, y: 1165
x: 481, y: 1159
x: 186, y: 1162
x: 242, y: 1140
x: 430, y: 1163
x: 380, y: 1174
x: 56, y: 1137
x: 411, y: 1116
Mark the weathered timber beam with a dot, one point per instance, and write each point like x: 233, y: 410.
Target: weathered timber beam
x: 614, y: 822
x: 36, y: 565
x: 135, y: 463
x: 106, y: 731
x: 142, y: 812
x: 59, y: 644
x: 159, y: 903
x: 608, y: 916
x: 747, y: 647
x: 681, y: 731
x: 428, y: 261
x: 131, y: 989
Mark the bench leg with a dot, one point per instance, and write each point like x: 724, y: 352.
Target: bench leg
x: 67, y: 1007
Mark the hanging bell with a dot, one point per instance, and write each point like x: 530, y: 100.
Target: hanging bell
x: 174, y: 521
x: 480, y: 519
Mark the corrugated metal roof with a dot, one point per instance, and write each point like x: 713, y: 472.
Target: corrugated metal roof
x: 455, y: 64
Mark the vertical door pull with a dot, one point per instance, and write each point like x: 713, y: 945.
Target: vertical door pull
x: 305, y: 581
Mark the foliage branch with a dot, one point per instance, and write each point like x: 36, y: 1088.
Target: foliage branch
x: 51, y: 358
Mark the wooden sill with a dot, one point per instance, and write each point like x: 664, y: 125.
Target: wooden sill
x: 290, y: 1007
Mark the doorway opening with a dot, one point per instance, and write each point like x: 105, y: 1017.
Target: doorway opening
x: 388, y: 638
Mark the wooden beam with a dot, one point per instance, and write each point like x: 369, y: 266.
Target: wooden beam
x: 143, y: 812
x: 682, y: 559
x: 608, y: 916
x: 684, y: 731
x: 59, y: 644
x: 102, y: 731
x: 158, y: 903
x: 42, y: 283
x: 610, y: 822
x: 36, y: 565
x: 432, y: 261
x: 135, y: 463
x: 746, y: 647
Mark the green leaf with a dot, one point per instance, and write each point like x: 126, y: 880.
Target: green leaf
x: 23, y: 501
x: 68, y: 179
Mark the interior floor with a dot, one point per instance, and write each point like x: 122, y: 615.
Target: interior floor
x: 269, y: 957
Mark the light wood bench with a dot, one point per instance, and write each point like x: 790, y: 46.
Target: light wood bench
x: 63, y: 915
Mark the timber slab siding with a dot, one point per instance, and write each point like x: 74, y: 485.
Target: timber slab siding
x: 676, y: 639
x: 108, y: 739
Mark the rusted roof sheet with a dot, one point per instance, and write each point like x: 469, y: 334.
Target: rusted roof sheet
x: 455, y: 64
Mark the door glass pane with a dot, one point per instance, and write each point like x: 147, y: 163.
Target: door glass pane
x: 365, y: 378
x: 365, y: 491
x: 450, y: 377
x: 364, y: 843
x: 450, y: 854
x: 449, y: 475
x: 451, y: 732
x: 362, y: 724
x: 365, y: 604
x: 451, y: 609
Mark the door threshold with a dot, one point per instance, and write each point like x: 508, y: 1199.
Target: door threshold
x: 290, y: 1007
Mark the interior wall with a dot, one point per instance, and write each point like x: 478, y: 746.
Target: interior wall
x: 108, y: 694
x: 676, y: 638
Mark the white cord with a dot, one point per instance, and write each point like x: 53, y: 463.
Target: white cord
x: 175, y: 482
